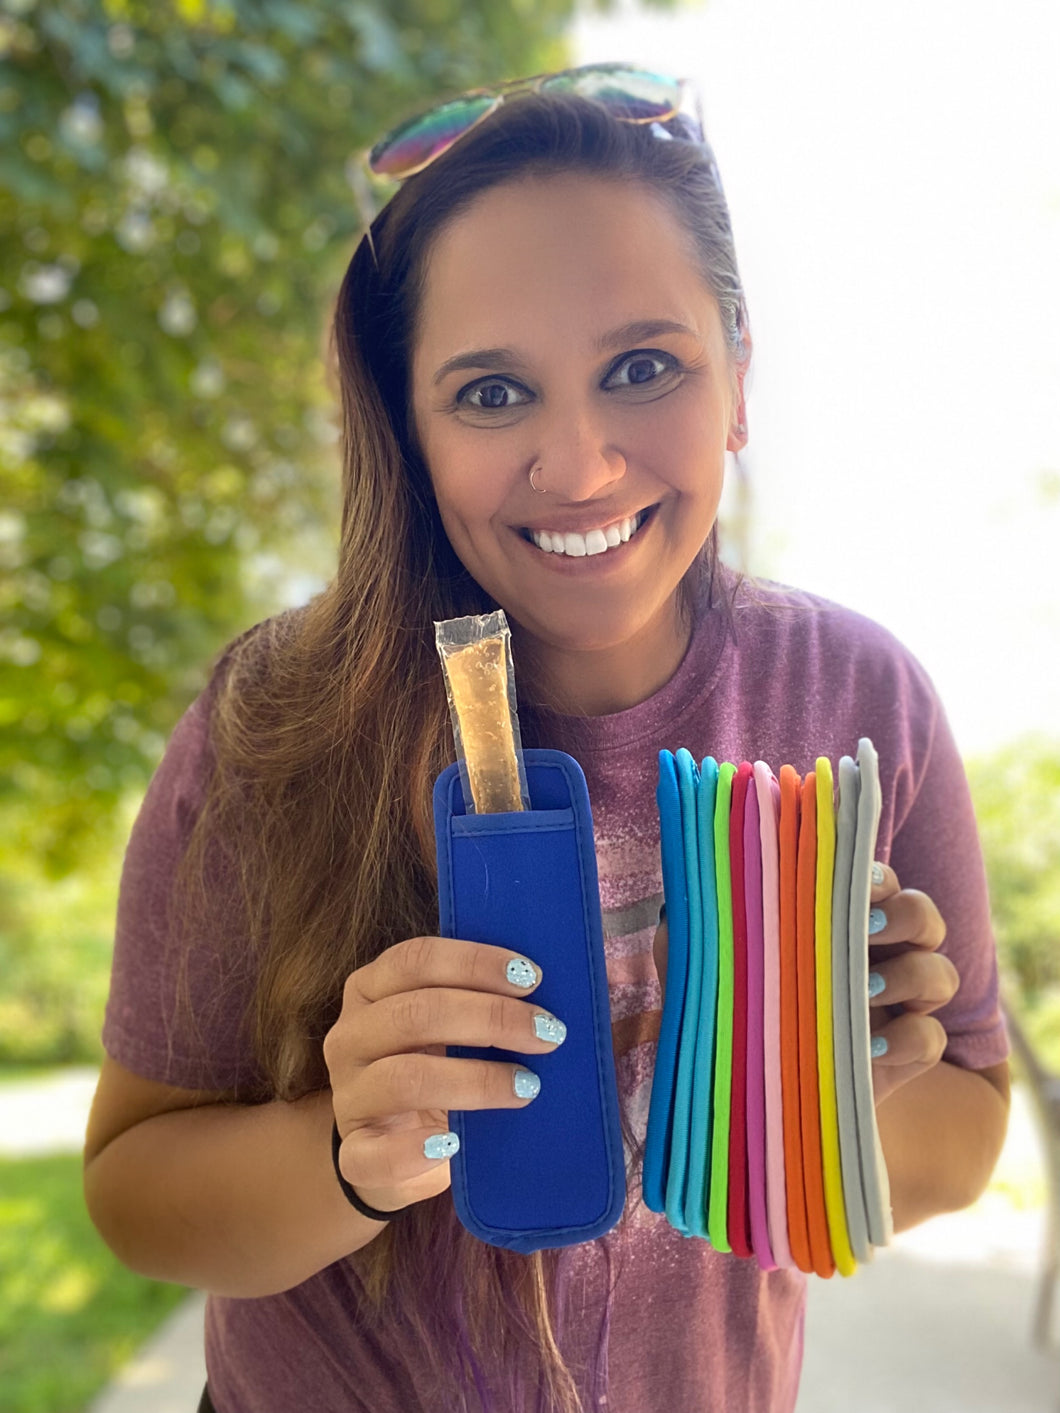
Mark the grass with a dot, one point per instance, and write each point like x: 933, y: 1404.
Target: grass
x: 70, y: 1314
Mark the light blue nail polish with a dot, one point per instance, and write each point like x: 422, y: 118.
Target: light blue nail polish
x: 520, y: 972
x: 877, y: 920
x: 550, y: 1028
x: 878, y: 1047
x: 876, y: 984
x: 526, y: 1084
x: 877, y: 874
x: 441, y: 1145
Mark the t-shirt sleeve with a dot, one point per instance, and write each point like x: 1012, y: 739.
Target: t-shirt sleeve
x: 935, y: 847
x: 180, y: 995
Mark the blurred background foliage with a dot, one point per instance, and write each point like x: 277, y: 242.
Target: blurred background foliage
x: 180, y: 193
x: 1017, y: 803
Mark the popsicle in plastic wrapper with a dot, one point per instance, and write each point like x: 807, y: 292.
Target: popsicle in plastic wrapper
x: 480, y: 686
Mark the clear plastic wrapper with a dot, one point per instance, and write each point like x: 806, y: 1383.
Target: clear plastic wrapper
x: 480, y: 686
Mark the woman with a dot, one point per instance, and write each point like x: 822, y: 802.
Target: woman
x: 543, y: 344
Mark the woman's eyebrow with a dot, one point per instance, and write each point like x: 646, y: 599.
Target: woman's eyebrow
x: 500, y: 358
x: 507, y: 361
x: 639, y: 330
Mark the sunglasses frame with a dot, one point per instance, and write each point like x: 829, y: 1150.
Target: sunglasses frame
x: 499, y: 92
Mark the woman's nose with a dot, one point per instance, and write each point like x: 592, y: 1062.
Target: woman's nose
x: 577, y: 460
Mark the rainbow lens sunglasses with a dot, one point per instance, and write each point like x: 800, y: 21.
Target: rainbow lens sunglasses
x: 629, y: 94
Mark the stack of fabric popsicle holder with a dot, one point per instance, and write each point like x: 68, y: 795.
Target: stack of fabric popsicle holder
x: 762, y: 1132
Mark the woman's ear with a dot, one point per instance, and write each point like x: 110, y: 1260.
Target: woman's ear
x: 737, y: 438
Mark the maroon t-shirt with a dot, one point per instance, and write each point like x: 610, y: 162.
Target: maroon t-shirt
x: 669, y: 1323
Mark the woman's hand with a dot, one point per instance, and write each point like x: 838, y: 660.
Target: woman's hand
x: 903, y: 954
x: 392, y: 1084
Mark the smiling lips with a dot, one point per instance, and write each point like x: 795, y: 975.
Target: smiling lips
x: 576, y: 545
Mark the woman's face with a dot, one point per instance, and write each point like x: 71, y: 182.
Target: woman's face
x: 565, y: 326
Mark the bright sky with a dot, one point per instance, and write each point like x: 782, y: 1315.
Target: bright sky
x: 893, y: 172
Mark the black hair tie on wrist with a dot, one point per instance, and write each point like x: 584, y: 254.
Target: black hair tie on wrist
x: 348, y: 1192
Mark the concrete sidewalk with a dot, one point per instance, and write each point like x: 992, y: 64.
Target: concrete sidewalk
x: 167, y: 1374
x: 915, y: 1333
x: 940, y: 1321
x: 46, y: 1115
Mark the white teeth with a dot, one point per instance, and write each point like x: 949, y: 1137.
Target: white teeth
x: 595, y: 542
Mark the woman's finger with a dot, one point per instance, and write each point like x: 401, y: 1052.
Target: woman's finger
x: 390, y: 1169
x: 380, y: 1158
x: 884, y: 882
x: 907, y: 916
x: 910, y: 1045
x: 441, y: 961
x: 439, y: 1015
x: 920, y: 981
x: 401, y: 1084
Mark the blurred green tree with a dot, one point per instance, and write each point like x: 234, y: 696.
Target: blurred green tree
x: 1017, y: 802
x: 175, y: 212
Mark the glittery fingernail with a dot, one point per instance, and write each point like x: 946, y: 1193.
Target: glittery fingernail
x: 877, y: 874
x: 550, y: 1028
x: 520, y: 972
x: 526, y: 1084
x: 876, y: 984
x: 441, y: 1145
x: 877, y: 920
x: 879, y: 1047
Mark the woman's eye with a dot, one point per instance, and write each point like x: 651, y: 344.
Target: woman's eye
x: 640, y: 369
x: 490, y: 396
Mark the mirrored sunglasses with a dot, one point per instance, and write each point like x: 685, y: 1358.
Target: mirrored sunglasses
x: 632, y: 95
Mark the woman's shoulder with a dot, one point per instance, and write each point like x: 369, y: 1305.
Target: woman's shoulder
x: 247, y: 661
x: 254, y: 655
x: 770, y: 600
x: 799, y: 646
x: 243, y: 669
x: 768, y: 609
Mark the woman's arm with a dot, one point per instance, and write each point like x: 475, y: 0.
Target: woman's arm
x: 236, y: 1199
x: 942, y: 1133
x: 243, y: 1200
x: 941, y: 1126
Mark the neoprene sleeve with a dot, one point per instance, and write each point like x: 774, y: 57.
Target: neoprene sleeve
x: 739, y: 1217
x: 551, y: 1173
x: 718, y: 1211
x: 833, y: 1177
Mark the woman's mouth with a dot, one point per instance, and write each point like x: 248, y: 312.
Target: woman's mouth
x: 595, y: 542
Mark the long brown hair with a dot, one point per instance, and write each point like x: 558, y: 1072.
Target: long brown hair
x: 330, y: 723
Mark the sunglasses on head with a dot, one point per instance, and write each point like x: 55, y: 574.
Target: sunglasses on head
x: 632, y: 95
